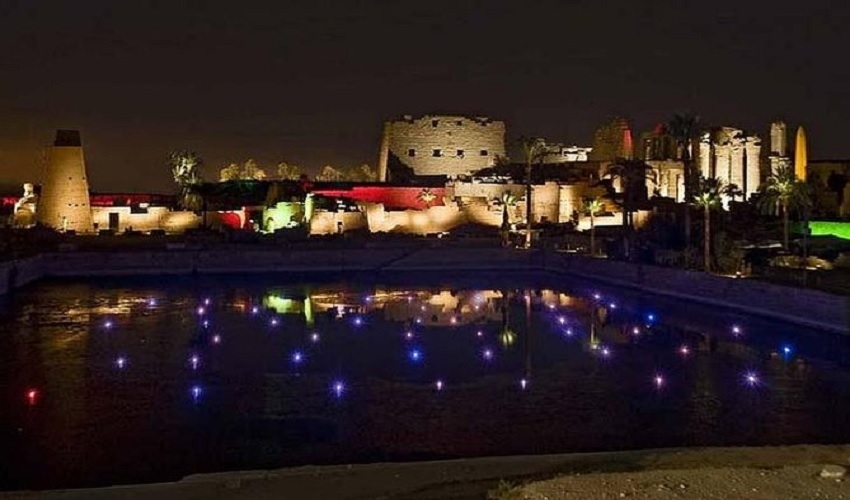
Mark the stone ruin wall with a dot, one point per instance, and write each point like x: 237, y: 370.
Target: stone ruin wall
x: 460, y: 140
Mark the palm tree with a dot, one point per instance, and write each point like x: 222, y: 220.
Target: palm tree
x: 185, y: 168
x: 782, y: 192
x: 532, y: 149
x: 593, y: 207
x: 684, y: 128
x: 707, y: 197
x: 732, y: 191
x: 633, y: 175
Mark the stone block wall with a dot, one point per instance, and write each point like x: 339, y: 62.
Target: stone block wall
x: 64, y: 200
x: 152, y: 218
x: 444, y: 144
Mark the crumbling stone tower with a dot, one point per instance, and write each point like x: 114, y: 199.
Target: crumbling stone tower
x: 64, y: 201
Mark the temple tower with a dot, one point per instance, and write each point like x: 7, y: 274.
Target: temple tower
x: 64, y: 201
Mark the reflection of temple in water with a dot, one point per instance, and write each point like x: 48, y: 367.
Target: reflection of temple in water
x: 425, y: 307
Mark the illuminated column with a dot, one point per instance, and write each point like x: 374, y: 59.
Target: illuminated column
x: 736, y: 162
x: 705, y: 155
x: 384, y: 155
x: 801, y: 157
x: 753, y: 173
x: 722, y: 161
x: 628, y: 147
x: 64, y: 202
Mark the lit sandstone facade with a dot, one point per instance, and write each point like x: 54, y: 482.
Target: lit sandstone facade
x: 64, y: 202
x: 442, y: 144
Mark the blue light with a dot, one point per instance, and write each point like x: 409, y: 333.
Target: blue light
x: 751, y: 379
x: 107, y: 325
x: 255, y: 310
x: 523, y: 384
x: 650, y: 317
x: 152, y: 302
x: 196, y: 392
x: 273, y: 322
x: 121, y: 362
x: 787, y: 350
x: 358, y: 321
x: 314, y: 337
x: 415, y: 355
x: 194, y: 361
x: 338, y: 388
x: 297, y: 357
x: 487, y: 354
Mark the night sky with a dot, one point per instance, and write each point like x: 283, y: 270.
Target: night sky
x: 310, y: 83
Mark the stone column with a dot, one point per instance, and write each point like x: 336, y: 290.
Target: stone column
x: 753, y: 174
x: 384, y: 154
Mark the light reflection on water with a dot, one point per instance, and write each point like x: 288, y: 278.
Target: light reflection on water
x: 107, y: 384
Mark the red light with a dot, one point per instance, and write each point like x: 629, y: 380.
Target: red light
x: 32, y: 396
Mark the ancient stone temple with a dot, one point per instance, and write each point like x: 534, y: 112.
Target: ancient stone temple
x: 441, y: 145
x: 64, y: 201
x: 778, y: 156
x: 733, y: 156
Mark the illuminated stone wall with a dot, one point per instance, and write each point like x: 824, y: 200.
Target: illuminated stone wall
x: 326, y: 222
x: 468, y: 203
x: 429, y: 221
x: 284, y: 214
x: 443, y: 144
x: 154, y: 218
x: 64, y: 200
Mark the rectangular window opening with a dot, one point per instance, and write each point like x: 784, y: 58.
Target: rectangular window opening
x: 437, y: 153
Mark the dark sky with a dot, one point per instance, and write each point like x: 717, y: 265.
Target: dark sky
x: 311, y: 82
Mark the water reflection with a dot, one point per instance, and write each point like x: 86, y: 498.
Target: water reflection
x: 241, y: 376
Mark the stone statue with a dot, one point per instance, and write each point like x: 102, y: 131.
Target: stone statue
x: 25, y: 208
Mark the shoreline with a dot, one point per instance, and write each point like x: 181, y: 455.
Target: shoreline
x: 803, y: 307
x: 465, y: 478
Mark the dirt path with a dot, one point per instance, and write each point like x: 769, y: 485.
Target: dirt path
x: 722, y: 473
x: 793, y: 482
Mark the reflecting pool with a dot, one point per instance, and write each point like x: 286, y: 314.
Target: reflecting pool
x: 150, y: 380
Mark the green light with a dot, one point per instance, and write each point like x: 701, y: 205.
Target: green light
x: 826, y: 228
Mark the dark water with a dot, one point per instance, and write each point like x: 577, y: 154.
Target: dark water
x: 119, y: 381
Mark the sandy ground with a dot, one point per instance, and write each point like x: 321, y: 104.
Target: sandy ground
x: 723, y: 473
x: 725, y: 483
